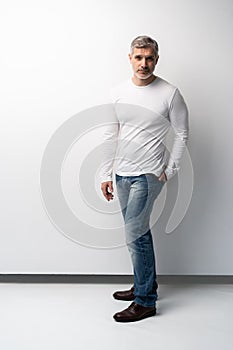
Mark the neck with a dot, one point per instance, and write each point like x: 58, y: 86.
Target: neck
x: 143, y: 82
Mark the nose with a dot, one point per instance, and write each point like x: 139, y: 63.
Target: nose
x: 143, y: 63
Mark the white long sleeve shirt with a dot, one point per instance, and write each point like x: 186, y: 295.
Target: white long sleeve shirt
x: 134, y: 140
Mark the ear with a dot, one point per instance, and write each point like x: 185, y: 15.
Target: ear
x: 156, y: 60
x: 130, y: 57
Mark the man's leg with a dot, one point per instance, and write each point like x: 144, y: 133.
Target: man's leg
x: 142, y: 191
x: 123, y: 190
x: 145, y: 279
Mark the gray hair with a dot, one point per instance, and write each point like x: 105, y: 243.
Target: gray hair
x: 144, y: 41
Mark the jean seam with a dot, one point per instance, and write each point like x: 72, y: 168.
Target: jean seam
x: 146, y: 267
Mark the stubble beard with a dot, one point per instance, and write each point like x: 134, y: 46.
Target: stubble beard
x: 143, y: 77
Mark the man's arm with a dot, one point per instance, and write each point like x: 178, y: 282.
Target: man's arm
x: 110, y: 138
x: 178, y: 114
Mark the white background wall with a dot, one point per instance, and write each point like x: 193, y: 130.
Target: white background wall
x: 58, y: 58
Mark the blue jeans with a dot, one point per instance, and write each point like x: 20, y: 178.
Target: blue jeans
x: 136, y: 196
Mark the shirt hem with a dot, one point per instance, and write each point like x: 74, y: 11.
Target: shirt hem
x: 121, y: 173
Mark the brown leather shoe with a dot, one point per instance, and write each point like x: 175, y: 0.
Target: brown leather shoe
x: 124, y: 295
x: 134, y: 312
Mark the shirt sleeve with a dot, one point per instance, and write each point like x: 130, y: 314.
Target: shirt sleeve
x: 178, y: 115
x: 109, y: 146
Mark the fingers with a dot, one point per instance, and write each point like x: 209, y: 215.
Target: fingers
x: 110, y: 186
x: 163, y: 177
x: 107, y: 189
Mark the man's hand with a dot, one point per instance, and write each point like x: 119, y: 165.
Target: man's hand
x: 163, y: 177
x: 107, y: 190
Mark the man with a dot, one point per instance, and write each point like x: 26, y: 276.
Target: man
x: 145, y: 107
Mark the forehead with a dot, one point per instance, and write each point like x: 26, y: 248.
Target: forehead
x: 143, y: 51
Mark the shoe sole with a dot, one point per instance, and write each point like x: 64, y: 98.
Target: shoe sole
x: 124, y: 299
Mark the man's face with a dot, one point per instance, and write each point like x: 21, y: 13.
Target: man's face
x: 143, y: 62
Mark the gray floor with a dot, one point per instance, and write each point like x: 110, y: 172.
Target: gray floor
x: 79, y: 316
